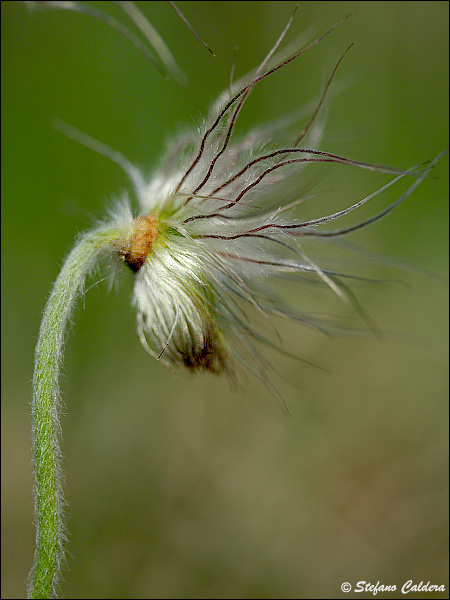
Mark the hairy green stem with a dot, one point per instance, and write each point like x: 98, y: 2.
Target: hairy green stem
x: 49, y: 501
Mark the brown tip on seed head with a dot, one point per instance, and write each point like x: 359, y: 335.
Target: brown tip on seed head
x: 139, y: 244
x: 209, y: 357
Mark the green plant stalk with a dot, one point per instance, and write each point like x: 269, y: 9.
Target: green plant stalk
x: 49, y: 501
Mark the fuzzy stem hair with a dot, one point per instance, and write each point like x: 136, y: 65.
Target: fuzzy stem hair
x: 49, y: 501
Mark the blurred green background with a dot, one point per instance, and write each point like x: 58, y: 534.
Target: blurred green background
x: 180, y: 487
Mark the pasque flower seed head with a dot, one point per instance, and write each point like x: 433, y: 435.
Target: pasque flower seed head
x: 219, y: 224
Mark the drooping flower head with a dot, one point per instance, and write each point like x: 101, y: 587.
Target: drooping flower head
x: 219, y: 223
